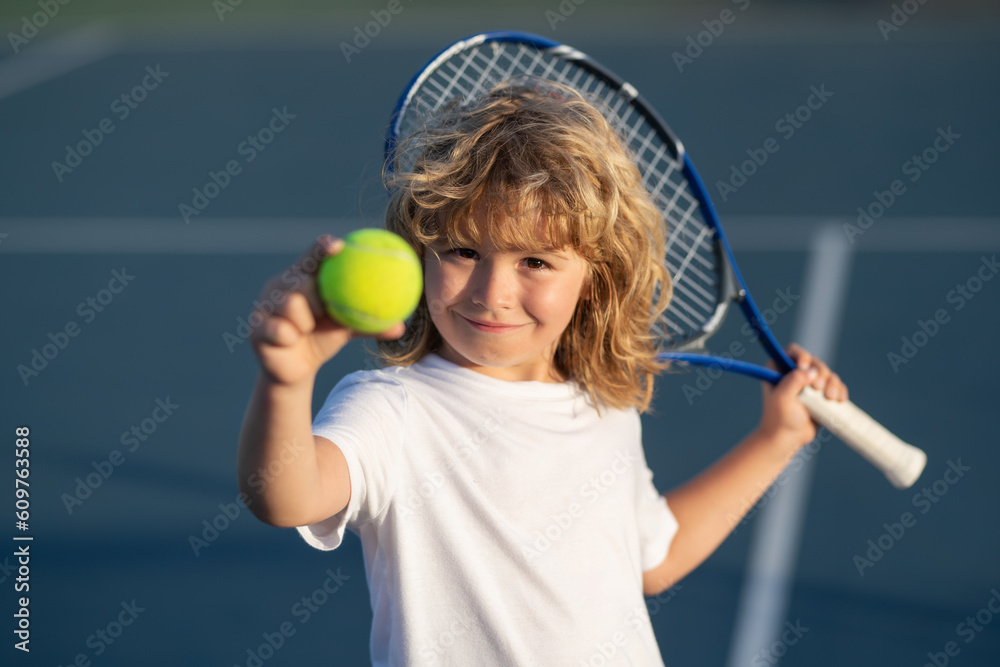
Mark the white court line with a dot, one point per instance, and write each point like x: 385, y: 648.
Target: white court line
x: 777, y: 532
x: 279, y: 235
x: 50, y: 58
x: 903, y: 234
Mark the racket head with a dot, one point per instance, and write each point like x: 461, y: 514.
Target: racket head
x: 705, y: 278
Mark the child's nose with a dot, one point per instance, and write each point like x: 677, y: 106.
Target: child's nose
x: 494, y: 286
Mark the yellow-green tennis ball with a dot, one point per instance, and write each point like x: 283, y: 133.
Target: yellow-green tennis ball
x: 374, y: 282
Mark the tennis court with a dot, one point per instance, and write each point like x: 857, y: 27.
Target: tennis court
x: 131, y: 249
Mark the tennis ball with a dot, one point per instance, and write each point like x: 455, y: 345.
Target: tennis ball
x: 374, y: 282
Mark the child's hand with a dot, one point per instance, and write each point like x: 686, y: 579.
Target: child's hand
x: 296, y: 336
x: 785, y: 419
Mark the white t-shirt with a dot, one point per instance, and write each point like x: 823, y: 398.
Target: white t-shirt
x: 503, y: 523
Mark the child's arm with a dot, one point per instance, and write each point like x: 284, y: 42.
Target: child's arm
x: 709, y: 506
x: 291, y: 477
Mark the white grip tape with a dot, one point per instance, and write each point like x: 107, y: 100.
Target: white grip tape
x: 901, y: 463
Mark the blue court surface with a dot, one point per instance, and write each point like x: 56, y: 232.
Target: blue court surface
x: 122, y: 347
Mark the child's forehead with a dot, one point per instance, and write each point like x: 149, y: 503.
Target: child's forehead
x: 507, y: 230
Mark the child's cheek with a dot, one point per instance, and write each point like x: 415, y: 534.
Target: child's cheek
x: 453, y: 285
x: 559, y: 304
x: 443, y: 285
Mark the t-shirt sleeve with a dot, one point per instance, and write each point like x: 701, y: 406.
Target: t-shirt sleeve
x: 657, y: 525
x: 365, y: 417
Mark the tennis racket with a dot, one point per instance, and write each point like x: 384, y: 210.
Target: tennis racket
x: 706, y: 279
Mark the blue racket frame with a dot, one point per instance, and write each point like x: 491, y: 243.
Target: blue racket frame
x: 737, y: 292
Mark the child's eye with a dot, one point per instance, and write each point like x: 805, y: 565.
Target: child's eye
x: 464, y: 253
x: 533, y: 263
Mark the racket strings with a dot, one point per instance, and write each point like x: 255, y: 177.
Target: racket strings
x: 691, y: 257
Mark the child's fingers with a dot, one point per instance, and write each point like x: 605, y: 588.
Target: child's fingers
x: 285, y: 323
x: 792, y: 384
x: 800, y: 356
x: 298, y: 310
x: 823, y: 378
x: 784, y: 412
x: 296, y: 318
x: 290, y: 305
x: 277, y: 332
x: 300, y: 278
x: 278, y: 302
x: 323, y: 247
x: 836, y: 390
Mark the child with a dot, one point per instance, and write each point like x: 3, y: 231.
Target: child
x: 493, y: 469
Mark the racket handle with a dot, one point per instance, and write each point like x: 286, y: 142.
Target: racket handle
x: 901, y: 463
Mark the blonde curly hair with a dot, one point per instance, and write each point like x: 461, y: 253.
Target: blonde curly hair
x: 530, y: 151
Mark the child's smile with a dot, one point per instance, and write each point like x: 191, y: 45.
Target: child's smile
x: 493, y: 327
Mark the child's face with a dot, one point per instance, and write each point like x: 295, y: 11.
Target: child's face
x: 502, y: 313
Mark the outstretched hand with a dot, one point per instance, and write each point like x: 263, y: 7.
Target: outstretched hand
x: 294, y: 336
x: 784, y: 417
